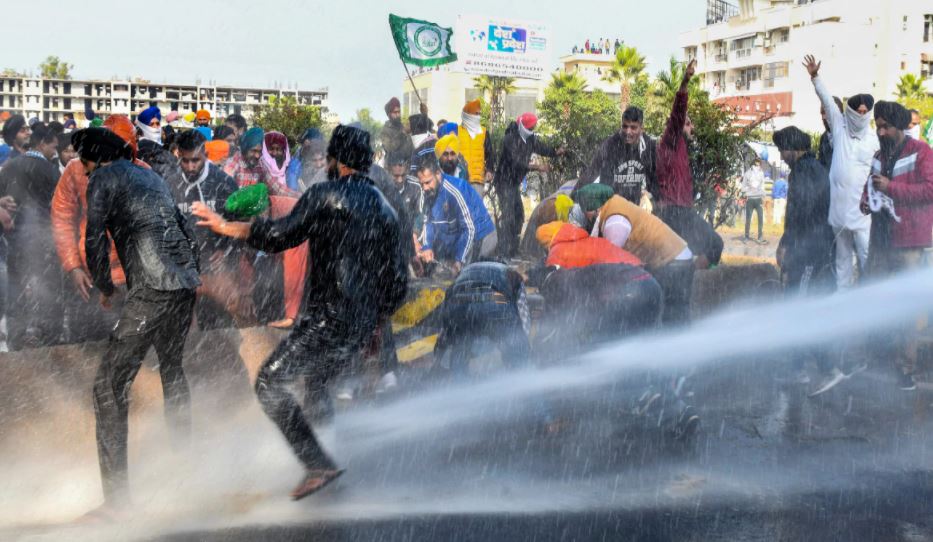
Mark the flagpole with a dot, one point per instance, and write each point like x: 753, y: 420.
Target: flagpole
x: 408, y: 73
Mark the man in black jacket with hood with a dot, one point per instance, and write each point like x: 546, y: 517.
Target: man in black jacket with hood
x: 160, y: 257
x: 358, y: 279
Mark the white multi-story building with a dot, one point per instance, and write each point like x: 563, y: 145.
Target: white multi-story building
x: 591, y: 68
x: 50, y: 99
x: 749, y: 56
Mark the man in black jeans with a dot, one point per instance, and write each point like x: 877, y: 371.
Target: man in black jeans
x: 160, y: 257
x: 357, y: 281
x: 753, y: 185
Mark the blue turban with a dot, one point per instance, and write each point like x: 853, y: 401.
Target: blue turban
x: 206, y: 132
x: 312, y: 134
x: 447, y: 128
x: 4, y: 153
x: 148, y: 114
x: 252, y: 138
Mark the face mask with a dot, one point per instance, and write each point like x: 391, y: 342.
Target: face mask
x: 914, y: 132
x: 471, y: 124
x: 150, y: 133
x: 856, y: 124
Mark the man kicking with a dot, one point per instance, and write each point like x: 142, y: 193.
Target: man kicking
x: 358, y: 279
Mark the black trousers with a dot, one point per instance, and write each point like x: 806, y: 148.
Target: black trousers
x: 324, y: 342
x: 149, y: 318
x: 34, y: 314
x: 676, y: 280
x: 510, y: 219
x: 690, y: 226
x: 753, y: 205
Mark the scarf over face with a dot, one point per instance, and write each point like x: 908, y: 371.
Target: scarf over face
x: 268, y: 162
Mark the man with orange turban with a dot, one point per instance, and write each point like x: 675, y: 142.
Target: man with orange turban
x: 475, y: 147
x: 202, y: 118
x: 87, y: 322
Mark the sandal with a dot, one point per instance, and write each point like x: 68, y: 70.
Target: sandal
x: 314, y: 481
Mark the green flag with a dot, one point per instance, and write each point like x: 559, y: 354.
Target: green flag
x: 421, y: 43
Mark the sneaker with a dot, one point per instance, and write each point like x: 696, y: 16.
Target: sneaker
x: 835, y: 377
x: 906, y: 382
x: 388, y: 382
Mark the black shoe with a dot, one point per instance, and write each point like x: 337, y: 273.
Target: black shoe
x: 906, y: 382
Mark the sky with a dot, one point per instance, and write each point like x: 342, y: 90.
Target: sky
x: 343, y: 45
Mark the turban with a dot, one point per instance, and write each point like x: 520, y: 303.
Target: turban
x: 147, y: 115
x: 171, y: 117
x: 12, y: 127
x: 562, y: 206
x: 472, y: 108
x: 251, y: 138
x: 447, y: 128
x: 203, y: 114
x: 248, y: 201
x: 97, y: 122
x: 100, y: 145
x: 894, y: 113
x: 312, y: 134
x: 206, y: 132
x: 189, y: 117
x: 392, y: 104
x: 121, y: 125
x: 419, y: 124
x: 861, y: 99
x: 350, y: 147
x: 592, y: 196
x: 449, y: 140
x: 792, y: 139
x: 217, y: 150
x: 528, y: 120
x: 547, y: 232
x: 273, y: 138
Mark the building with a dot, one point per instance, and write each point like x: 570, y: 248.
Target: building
x: 749, y: 56
x: 591, y: 68
x: 50, y: 99
x: 445, y: 90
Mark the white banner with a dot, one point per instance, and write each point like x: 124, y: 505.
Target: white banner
x: 502, y: 47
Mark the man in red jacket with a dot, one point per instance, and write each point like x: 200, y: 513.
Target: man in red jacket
x: 674, y: 192
x: 899, y: 196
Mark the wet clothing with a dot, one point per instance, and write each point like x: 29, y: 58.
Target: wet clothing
x: 356, y: 280
x: 161, y: 160
x: 160, y: 319
x: 808, y: 237
x: 34, y: 274
x: 628, y: 169
x: 573, y: 247
x: 510, y: 172
x: 649, y: 239
x: 596, y: 303
x: 155, y: 246
x: 487, y: 301
x: 395, y: 140
x: 690, y: 226
x: 457, y: 221
x: 406, y: 220
x: 675, y: 181
x: 212, y: 188
x: 413, y: 199
x: 825, y: 155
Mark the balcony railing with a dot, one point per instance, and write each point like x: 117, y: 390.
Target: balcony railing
x: 741, y: 85
x: 743, y: 53
x: 722, y: 58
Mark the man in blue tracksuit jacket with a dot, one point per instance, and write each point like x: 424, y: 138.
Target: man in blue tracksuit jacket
x: 458, y: 227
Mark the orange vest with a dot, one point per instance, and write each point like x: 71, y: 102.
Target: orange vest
x: 651, y: 240
x: 473, y: 151
x: 572, y: 247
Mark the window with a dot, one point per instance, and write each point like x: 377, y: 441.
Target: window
x: 928, y: 28
x: 774, y: 70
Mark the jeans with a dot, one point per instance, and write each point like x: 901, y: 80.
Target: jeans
x: 753, y: 205
x: 149, y: 318
x: 325, y: 341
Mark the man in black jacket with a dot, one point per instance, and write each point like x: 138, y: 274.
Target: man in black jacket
x: 825, y: 155
x: 357, y: 280
x: 35, y: 281
x: 805, y: 250
x: 625, y: 161
x: 518, y: 144
x: 159, y: 255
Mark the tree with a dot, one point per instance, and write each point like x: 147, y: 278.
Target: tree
x: 579, y: 122
x: 667, y: 82
x: 365, y: 118
x: 910, y: 86
x: 284, y: 114
x: 627, y: 66
x: 497, y: 88
x: 12, y: 72
x: 54, y: 68
x: 571, y: 82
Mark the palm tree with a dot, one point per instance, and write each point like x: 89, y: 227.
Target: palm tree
x: 497, y: 88
x: 626, y: 67
x: 667, y: 82
x: 571, y: 82
x: 910, y: 86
